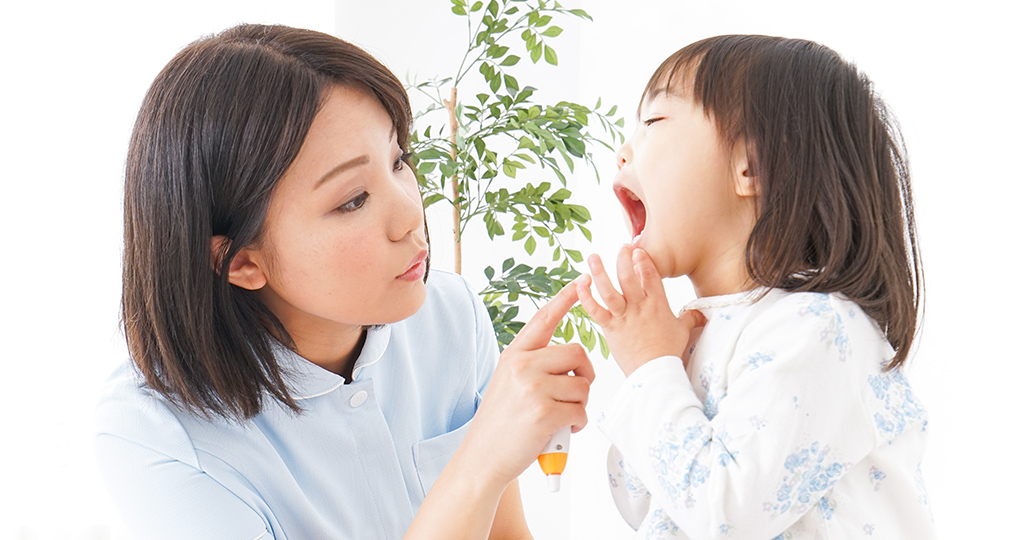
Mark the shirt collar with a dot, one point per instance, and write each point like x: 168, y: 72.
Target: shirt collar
x: 307, y: 380
x: 725, y: 300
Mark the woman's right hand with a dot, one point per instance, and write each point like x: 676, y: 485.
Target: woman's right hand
x: 537, y: 388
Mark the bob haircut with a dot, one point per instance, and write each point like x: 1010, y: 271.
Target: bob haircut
x: 216, y: 131
x: 835, y: 212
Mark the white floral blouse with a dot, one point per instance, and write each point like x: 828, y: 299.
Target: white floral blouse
x: 784, y: 425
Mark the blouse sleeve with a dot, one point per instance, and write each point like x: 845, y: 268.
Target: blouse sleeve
x: 791, y: 424
x: 163, y: 498
x: 153, y: 474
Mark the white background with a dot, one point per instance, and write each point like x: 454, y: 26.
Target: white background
x: 74, y: 74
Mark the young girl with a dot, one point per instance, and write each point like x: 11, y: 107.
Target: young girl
x: 768, y: 172
x: 295, y: 374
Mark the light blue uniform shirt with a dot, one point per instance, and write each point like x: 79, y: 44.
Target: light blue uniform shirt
x: 356, y: 463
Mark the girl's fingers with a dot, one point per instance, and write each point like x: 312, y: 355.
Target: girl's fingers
x: 650, y: 279
x: 615, y: 302
x: 691, y: 319
x: 631, y: 289
x: 595, y: 310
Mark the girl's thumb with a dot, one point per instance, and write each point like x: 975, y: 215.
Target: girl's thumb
x: 692, y: 318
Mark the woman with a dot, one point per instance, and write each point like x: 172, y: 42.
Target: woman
x: 295, y: 373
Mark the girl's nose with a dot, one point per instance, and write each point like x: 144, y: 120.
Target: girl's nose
x: 623, y: 155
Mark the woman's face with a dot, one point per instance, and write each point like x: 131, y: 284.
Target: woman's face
x: 344, y: 244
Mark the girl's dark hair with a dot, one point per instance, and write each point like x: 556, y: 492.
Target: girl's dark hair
x: 217, y: 130
x: 835, y: 212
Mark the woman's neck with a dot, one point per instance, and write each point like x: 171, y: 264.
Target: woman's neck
x: 336, y: 352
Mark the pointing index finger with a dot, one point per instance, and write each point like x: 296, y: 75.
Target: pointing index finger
x: 537, y: 333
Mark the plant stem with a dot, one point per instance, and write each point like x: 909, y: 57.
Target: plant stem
x: 453, y: 125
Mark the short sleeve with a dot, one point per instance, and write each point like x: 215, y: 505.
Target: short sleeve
x: 162, y: 498
x: 153, y: 472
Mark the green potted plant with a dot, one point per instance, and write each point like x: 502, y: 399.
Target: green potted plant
x: 501, y: 160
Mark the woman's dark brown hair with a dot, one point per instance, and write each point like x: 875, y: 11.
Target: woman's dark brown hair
x: 835, y: 212
x: 217, y: 130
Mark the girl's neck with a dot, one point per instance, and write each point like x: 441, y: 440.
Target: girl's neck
x: 724, y: 274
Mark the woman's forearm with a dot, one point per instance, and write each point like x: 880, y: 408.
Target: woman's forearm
x: 460, y: 505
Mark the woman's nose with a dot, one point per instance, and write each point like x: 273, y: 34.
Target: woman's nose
x: 407, y: 209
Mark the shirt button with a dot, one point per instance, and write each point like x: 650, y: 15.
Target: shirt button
x: 358, y: 398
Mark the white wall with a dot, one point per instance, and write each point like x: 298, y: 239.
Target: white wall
x: 74, y: 76
x: 76, y: 72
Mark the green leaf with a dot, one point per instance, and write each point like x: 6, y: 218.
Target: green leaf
x: 531, y: 245
x: 477, y: 6
x: 605, y: 351
x: 510, y: 60
x: 505, y: 266
x: 550, y: 56
x: 492, y: 8
x: 432, y: 199
x: 574, y: 255
x: 552, y: 31
x: 489, y: 272
x: 535, y: 53
x: 510, y: 82
x: 458, y: 10
x: 581, y: 13
x: 586, y: 337
x: 543, y: 20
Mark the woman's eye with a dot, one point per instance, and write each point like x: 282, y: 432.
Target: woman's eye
x: 402, y: 160
x: 650, y: 121
x: 354, y: 204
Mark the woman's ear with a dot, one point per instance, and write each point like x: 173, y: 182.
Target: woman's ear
x: 245, y: 270
x: 744, y: 179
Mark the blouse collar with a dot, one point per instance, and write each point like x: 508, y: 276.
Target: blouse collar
x: 307, y: 380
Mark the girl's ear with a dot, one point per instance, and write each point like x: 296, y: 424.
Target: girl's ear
x: 744, y: 180
x: 245, y: 270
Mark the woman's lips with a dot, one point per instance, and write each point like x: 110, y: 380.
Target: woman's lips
x: 634, y: 208
x: 416, y: 269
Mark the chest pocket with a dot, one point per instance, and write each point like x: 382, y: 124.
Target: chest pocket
x: 431, y: 455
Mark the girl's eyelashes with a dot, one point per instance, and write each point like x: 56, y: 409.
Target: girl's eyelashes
x: 354, y: 204
x: 402, y: 161
x: 650, y: 121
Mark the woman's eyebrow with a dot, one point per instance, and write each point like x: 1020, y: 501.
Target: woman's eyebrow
x: 354, y: 162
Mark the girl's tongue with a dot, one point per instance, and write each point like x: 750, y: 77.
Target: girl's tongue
x: 634, y: 209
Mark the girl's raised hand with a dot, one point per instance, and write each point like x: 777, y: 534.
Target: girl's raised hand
x: 638, y: 322
x: 531, y: 394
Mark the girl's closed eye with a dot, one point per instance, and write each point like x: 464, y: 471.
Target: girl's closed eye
x: 354, y: 203
x: 652, y: 120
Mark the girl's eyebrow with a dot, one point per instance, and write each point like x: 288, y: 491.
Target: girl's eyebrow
x: 354, y: 162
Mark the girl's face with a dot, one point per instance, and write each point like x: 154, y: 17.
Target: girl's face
x: 687, y: 197
x: 344, y: 244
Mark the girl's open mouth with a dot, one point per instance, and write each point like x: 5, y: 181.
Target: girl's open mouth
x: 634, y: 207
